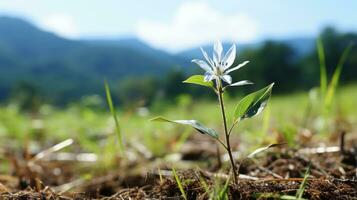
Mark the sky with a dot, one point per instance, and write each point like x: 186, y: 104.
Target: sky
x: 174, y: 25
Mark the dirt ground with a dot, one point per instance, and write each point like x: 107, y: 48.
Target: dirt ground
x: 332, y: 175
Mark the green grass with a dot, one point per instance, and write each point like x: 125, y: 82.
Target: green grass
x: 179, y: 184
x: 114, y: 114
x: 94, y: 130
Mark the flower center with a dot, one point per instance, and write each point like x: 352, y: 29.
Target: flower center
x: 218, y: 70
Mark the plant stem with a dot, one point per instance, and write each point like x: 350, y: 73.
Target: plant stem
x: 228, y: 146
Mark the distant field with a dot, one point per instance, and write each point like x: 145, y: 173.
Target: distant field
x: 287, y: 114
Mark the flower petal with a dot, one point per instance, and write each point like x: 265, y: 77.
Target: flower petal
x: 209, y: 60
x: 217, y: 52
x: 240, y: 83
x: 203, y: 65
x: 227, y: 78
x: 209, y: 76
x: 237, y: 67
x: 229, y: 57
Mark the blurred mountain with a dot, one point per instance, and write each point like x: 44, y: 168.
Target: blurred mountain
x: 62, y: 67
x: 26, y: 41
x: 137, y: 45
x: 64, y: 70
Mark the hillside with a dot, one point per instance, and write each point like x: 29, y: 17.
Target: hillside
x: 34, y: 62
x: 58, y: 66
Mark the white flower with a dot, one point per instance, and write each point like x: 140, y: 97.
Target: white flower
x: 218, y: 67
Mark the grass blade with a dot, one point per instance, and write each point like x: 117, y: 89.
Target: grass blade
x: 204, y: 184
x: 116, y: 121
x: 323, y: 73
x: 179, y: 184
x: 301, y: 189
x: 336, y: 76
x: 223, y: 193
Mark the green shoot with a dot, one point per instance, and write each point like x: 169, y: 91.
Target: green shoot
x: 116, y: 121
x: 328, y: 90
x: 223, y: 193
x: 179, y: 184
x: 298, y: 195
x: 323, y: 73
x: 301, y: 189
x: 204, y: 184
x: 336, y: 77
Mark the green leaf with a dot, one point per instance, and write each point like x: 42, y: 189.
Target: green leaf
x: 199, y: 80
x: 113, y: 111
x: 193, y: 123
x: 252, y: 104
x: 263, y: 149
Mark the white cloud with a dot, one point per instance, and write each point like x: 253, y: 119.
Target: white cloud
x: 197, y: 23
x: 61, y: 24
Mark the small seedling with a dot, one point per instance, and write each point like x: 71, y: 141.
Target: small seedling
x: 217, y: 78
x: 223, y: 191
x: 114, y: 114
x: 300, y: 191
x: 328, y: 89
x: 302, y: 187
x: 219, y: 191
x: 179, y: 183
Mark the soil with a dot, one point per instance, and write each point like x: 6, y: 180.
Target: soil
x: 332, y: 175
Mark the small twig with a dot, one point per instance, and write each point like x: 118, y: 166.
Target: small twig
x: 80, y: 157
x: 54, y: 148
x: 320, y: 150
x: 270, y: 172
x: 226, y: 176
x: 68, y: 186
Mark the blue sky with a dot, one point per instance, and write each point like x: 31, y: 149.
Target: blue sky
x: 178, y: 24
